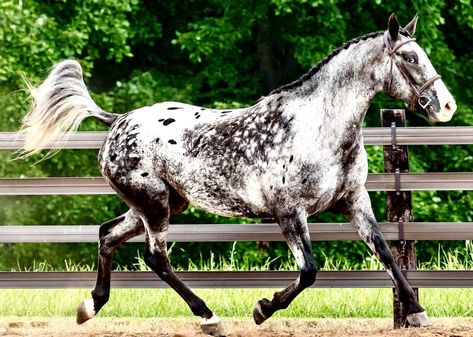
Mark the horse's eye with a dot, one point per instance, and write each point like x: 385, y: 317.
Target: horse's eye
x: 411, y: 59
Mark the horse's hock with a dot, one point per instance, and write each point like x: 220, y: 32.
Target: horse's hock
x: 397, y: 182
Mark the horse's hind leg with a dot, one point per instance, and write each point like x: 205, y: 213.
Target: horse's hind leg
x: 151, y: 200
x: 295, y: 230
x: 358, y: 210
x: 111, y: 235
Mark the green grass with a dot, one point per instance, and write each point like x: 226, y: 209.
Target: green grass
x: 314, y: 303
x: 458, y: 259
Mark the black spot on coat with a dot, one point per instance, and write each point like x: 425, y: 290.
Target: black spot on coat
x: 168, y: 121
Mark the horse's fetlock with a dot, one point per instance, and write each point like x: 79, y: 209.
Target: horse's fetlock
x: 100, y: 296
x: 308, y: 276
x: 411, y: 305
x: 199, y: 308
x: 266, y: 305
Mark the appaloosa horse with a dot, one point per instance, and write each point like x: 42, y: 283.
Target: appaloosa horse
x: 295, y: 153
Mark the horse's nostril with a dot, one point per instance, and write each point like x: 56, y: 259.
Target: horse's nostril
x: 450, y: 106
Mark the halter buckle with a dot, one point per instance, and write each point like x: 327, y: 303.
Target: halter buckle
x: 424, y: 106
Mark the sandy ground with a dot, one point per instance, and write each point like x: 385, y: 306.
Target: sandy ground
x: 103, y: 327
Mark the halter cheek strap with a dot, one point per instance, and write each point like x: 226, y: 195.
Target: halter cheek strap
x: 417, y: 92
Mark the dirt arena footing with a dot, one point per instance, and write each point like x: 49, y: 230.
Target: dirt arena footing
x: 129, y: 327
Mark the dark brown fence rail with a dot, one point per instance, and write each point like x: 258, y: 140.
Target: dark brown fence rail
x: 247, y: 232
x: 241, y: 279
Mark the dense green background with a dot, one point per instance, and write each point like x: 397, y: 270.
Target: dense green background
x: 218, y: 54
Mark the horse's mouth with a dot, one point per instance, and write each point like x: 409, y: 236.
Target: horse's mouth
x: 432, y: 115
x: 439, y: 116
x: 435, y: 116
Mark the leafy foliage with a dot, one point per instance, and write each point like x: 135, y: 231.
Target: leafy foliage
x: 214, y: 53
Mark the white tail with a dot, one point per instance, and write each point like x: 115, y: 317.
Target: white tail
x: 59, y: 105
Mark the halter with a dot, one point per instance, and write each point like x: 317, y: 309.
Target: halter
x: 417, y: 93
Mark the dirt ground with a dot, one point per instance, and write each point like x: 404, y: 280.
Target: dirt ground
x: 106, y: 327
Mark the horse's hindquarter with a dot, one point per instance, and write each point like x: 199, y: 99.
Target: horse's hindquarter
x: 186, y: 147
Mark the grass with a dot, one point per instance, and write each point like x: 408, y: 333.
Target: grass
x: 458, y: 259
x: 314, y: 303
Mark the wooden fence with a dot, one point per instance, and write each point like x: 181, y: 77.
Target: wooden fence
x: 399, y: 181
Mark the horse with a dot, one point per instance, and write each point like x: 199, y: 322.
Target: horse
x: 296, y: 152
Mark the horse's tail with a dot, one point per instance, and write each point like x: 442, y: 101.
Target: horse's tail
x: 59, y: 105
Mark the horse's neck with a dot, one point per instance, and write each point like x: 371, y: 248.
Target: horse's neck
x: 339, y: 94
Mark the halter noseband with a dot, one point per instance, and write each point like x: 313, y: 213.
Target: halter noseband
x: 417, y: 92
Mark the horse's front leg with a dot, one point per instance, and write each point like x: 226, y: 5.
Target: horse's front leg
x: 294, y: 228
x: 357, y: 207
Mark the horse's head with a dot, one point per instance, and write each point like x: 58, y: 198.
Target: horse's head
x: 411, y: 76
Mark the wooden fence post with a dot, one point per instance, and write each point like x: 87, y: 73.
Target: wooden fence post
x: 399, y: 204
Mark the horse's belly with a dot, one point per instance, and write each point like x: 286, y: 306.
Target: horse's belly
x: 322, y: 189
x: 224, y: 203
x: 226, y: 194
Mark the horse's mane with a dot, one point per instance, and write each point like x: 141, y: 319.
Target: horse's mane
x: 324, y: 61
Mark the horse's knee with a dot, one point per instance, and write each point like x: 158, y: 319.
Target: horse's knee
x: 108, y: 226
x: 105, y: 250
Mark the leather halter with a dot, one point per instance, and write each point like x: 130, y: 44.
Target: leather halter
x: 417, y: 92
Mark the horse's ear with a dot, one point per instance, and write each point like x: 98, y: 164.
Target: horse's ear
x: 411, y: 26
x: 393, y: 27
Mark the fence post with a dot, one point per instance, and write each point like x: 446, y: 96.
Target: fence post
x: 399, y: 205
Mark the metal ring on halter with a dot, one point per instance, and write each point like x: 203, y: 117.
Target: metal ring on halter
x: 422, y: 89
x: 417, y: 92
x: 423, y: 106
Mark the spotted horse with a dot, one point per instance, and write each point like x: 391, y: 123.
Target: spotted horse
x: 296, y: 152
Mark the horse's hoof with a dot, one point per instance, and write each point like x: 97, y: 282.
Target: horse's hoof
x: 85, y: 311
x: 258, y: 314
x: 419, y: 319
x: 212, y: 326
